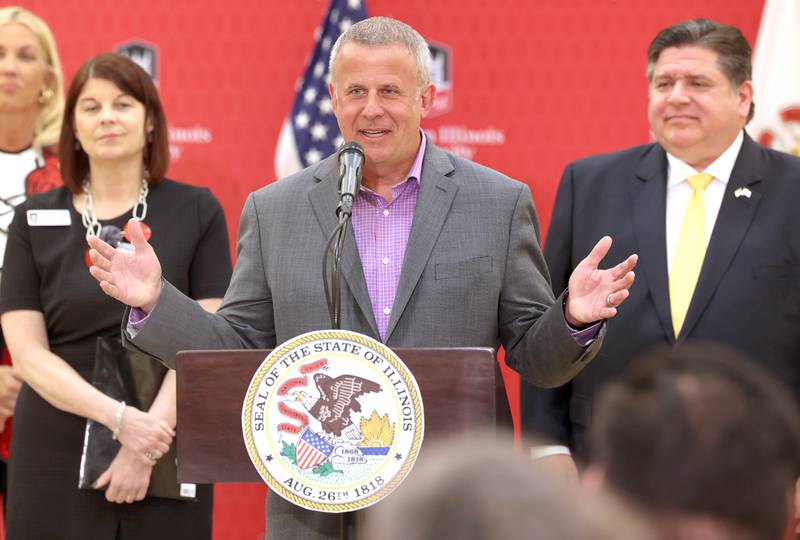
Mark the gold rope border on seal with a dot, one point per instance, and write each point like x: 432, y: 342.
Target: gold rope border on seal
x: 386, y: 353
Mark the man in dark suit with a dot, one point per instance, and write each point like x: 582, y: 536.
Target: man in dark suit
x: 720, y: 251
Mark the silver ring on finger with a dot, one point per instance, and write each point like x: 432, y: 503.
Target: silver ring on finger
x: 609, y: 303
x: 150, y: 456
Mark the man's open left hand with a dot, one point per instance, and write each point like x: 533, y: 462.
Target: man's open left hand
x: 595, y: 294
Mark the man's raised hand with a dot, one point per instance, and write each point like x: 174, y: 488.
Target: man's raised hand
x: 132, y: 278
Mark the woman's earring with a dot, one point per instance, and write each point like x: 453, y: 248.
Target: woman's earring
x: 46, y: 95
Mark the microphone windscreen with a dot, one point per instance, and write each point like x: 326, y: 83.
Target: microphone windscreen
x: 349, y: 148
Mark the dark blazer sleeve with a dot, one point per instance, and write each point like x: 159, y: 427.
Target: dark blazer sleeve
x: 544, y: 412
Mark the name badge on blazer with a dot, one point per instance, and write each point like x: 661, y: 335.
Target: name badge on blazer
x: 49, y: 218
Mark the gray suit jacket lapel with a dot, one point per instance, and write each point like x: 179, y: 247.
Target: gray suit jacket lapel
x: 324, y: 197
x: 436, y: 195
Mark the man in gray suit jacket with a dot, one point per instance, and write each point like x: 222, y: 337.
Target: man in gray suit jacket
x: 442, y: 252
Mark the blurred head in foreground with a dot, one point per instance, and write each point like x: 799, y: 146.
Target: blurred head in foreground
x: 477, y: 487
x: 703, y: 442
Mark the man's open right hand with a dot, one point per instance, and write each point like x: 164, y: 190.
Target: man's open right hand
x: 132, y: 278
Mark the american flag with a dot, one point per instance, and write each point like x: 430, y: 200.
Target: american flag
x: 311, y: 133
x: 312, y: 449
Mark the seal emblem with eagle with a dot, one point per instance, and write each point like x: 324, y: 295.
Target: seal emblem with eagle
x: 333, y: 420
x: 337, y: 399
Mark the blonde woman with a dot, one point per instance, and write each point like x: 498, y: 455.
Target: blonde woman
x: 31, y: 106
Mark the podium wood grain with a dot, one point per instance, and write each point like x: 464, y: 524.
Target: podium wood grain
x: 461, y: 389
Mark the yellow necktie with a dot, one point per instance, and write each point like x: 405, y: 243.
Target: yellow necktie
x: 689, y: 252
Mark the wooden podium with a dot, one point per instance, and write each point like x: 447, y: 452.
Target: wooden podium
x: 461, y: 389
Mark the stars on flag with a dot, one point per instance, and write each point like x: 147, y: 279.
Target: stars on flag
x: 315, y: 130
x: 310, y: 95
x: 301, y: 120
x: 325, y: 106
x: 319, y: 132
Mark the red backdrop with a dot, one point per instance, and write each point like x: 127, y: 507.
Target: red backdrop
x: 539, y: 83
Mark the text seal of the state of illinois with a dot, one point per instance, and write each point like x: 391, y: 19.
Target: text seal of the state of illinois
x: 333, y: 421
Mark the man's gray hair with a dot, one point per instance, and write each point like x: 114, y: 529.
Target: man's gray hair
x: 379, y: 31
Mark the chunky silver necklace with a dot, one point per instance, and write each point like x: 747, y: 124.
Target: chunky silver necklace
x: 89, y: 218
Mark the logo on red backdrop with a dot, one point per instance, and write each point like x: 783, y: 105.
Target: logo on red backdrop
x: 333, y: 421
x: 442, y: 76
x: 144, y: 54
x: 457, y: 138
x: 786, y: 135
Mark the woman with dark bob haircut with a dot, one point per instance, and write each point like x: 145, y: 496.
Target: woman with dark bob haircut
x: 114, y: 154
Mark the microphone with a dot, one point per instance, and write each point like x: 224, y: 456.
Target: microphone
x: 351, y: 158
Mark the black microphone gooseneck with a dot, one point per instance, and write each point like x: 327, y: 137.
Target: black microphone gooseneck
x: 351, y: 160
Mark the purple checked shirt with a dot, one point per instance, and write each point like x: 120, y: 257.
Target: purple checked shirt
x: 381, y: 229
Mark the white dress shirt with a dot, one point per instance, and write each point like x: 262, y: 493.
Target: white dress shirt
x: 679, y: 192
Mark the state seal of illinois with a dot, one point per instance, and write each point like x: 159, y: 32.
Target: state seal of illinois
x: 333, y: 421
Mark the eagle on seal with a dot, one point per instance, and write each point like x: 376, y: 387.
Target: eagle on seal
x: 337, y: 399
